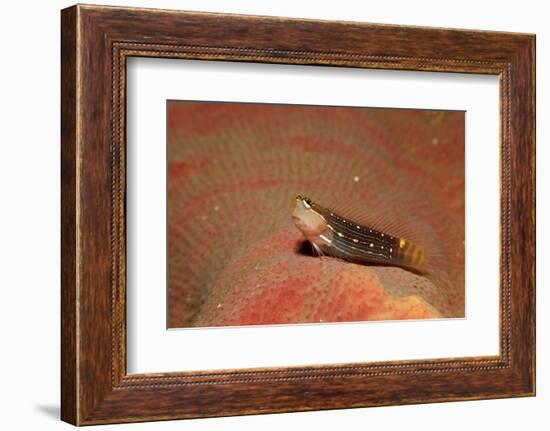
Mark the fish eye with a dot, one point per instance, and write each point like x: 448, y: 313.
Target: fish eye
x: 304, y: 199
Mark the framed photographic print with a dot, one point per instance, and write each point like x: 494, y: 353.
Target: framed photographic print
x: 264, y: 214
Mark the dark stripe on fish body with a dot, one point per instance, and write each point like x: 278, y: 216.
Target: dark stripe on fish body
x: 360, y: 243
x: 346, y: 249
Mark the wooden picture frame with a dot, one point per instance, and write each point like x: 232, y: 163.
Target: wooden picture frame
x: 96, y: 41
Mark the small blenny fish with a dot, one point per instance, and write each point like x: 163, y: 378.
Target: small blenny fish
x: 334, y: 235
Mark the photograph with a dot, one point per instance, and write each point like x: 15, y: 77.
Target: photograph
x: 304, y: 214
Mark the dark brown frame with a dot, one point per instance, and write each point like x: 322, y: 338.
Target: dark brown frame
x: 95, y: 43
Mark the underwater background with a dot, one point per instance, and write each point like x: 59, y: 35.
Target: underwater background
x: 234, y: 169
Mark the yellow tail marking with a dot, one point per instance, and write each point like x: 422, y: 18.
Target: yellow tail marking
x: 412, y: 254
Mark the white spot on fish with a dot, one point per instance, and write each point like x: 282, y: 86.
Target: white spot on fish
x: 371, y: 245
x: 356, y: 179
x: 324, y: 238
x: 435, y: 141
x: 216, y: 208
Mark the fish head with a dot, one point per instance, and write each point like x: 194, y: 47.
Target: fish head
x: 306, y: 219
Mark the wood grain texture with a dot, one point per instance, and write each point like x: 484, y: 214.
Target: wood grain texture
x: 68, y: 218
x: 96, y: 41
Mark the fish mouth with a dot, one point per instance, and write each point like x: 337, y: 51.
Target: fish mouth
x: 302, y: 225
x: 298, y: 222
